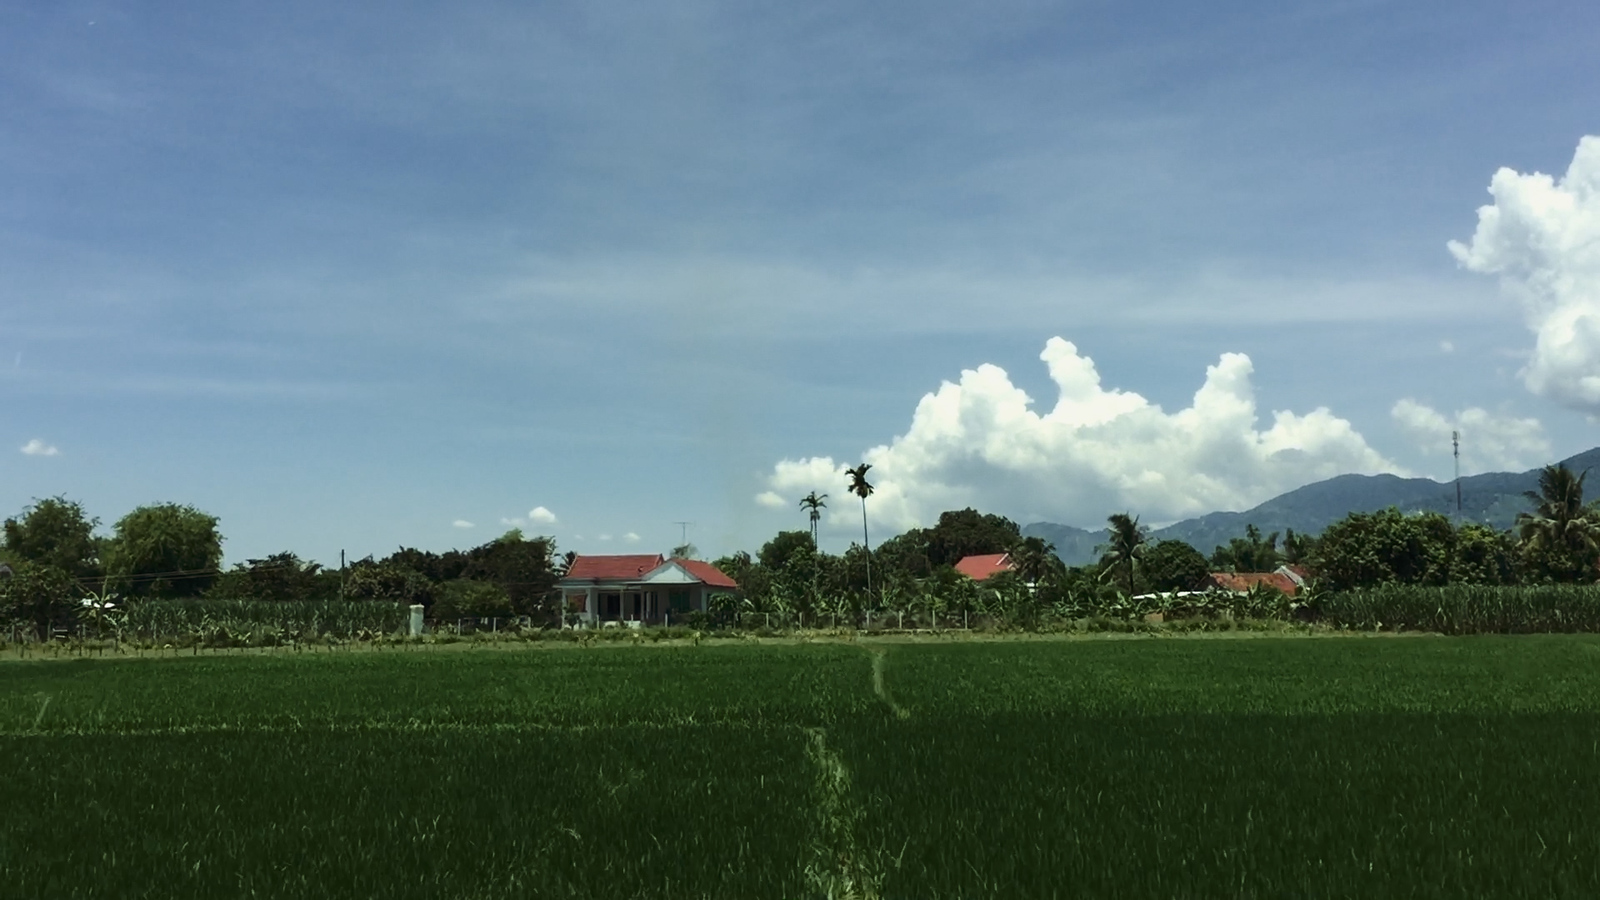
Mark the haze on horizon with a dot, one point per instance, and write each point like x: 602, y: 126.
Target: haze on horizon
x: 361, y: 277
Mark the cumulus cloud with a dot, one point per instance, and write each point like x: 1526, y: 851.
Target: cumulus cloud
x: 37, y: 447
x: 541, y: 516
x: 771, y: 500
x: 463, y: 523
x: 1489, y: 443
x: 980, y: 442
x: 1542, y: 237
x: 631, y: 538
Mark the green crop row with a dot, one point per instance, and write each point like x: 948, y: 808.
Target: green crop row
x: 1466, y: 609
x: 256, y: 622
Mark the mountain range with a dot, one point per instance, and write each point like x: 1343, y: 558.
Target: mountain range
x: 1493, y: 498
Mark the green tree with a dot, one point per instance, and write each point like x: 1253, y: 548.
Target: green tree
x: 1034, y: 560
x: 787, y: 545
x: 1483, y: 556
x: 1385, y: 547
x: 463, y: 597
x: 386, y: 581
x: 1560, y: 536
x: 55, y: 532
x: 43, y: 596
x: 523, y: 567
x: 1297, y: 548
x: 906, y: 554
x: 279, y: 577
x: 1251, y: 553
x: 1124, y: 548
x: 165, y: 550
x: 813, y: 503
x: 967, y: 532
x: 1173, y: 565
x: 861, y: 488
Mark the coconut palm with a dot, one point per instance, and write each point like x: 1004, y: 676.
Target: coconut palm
x: 1561, y: 532
x: 1124, y: 548
x: 860, y: 487
x: 814, y: 503
x: 1034, y: 559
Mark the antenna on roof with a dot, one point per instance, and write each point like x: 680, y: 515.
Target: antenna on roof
x: 683, y: 537
x: 1455, y: 446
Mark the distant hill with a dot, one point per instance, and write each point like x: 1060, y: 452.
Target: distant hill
x: 1493, y: 498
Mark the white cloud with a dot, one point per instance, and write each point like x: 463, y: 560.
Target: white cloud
x: 513, y: 521
x: 631, y: 538
x: 604, y: 537
x: 771, y: 500
x: 463, y: 523
x: 1097, y: 451
x: 541, y: 516
x: 1447, y: 347
x: 1489, y: 443
x: 1542, y: 237
x: 37, y: 447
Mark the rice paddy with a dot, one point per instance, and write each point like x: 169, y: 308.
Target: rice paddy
x: 1318, y: 767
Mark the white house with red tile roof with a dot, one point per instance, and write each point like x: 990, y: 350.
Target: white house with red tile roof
x: 644, y: 588
x: 986, y: 566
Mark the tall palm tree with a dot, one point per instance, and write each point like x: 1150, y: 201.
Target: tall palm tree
x: 860, y: 487
x: 1034, y: 559
x: 814, y: 504
x: 1124, y: 548
x: 1561, y: 530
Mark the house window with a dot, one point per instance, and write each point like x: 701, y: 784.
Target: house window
x: 611, y: 606
x: 678, y: 601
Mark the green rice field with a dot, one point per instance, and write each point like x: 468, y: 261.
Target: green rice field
x: 1162, y: 767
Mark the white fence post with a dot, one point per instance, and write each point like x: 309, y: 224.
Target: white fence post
x: 416, y: 619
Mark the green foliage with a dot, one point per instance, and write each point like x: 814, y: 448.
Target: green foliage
x: 1466, y: 609
x: 1251, y: 553
x: 462, y: 598
x: 523, y: 568
x: 42, y: 596
x: 1124, y: 547
x: 1561, y: 536
x: 55, y: 532
x: 786, y: 546
x: 967, y: 532
x: 281, y: 577
x: 224, y: 622
x: 1173, y: 566
x: 387, y: 582
x: 1387, y: 547
x: 165, y: 550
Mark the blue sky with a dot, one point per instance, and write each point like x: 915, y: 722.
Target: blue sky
x: 347, y: 276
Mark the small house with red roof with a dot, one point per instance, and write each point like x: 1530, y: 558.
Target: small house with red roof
x: 979, y: 568
x: 1242, y: 582
x: 646, y: 588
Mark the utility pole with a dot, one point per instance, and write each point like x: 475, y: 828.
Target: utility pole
x: 1455, y: 447
x: 341, y: 574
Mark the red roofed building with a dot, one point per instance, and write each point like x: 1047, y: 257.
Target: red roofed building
x: 1241, y: 582
x: 644, y: 588
x: 979, y: 568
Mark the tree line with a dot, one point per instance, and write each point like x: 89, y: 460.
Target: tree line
x: 57, y: 560
x: 1556, y: 542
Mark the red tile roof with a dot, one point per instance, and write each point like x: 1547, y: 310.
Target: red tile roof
x: 1243, y: 581
x: 980, y: 567
x: 613, y: 568
x: 707, y: 573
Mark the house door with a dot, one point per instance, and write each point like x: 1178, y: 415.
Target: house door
x: 611, y: 606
